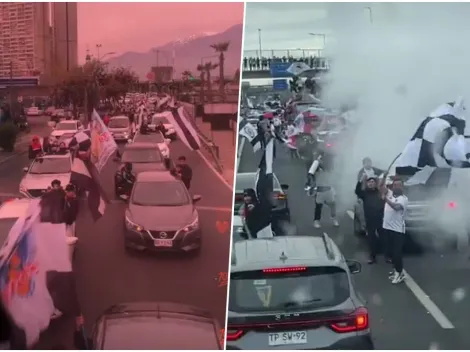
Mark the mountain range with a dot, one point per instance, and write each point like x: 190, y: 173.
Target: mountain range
x: 188, y: 53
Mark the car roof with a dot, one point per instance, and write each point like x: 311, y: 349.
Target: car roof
x: 119, y: 117
x: 248, y: 180
x: 140, y: 145
x: 14, y: 208
x: 138, y: 134
x: 284, y: 251
x: 155, y: 176
x: 66, y: 155
x: 68, y: 121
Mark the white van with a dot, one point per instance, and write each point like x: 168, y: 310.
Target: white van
x: 120, y: 128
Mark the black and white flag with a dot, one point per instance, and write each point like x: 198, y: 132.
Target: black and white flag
x: 250, y: 132
x: 82, y: 179
x: 264, y: 189
x: 438, y: 142
x: 184, y: 128
x: 298, y: 68
x: 82, y: 140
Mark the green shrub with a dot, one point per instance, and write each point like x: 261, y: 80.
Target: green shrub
x: 8, y: 133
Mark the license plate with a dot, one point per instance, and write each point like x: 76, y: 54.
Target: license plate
x: 163, y: 243
x: 287, y: 338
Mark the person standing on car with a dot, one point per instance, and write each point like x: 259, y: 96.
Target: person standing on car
x: 368, y: 170
x: 35, y: 148
x: 70, y: 209
x: 373, y: 205
x: 184, y: 171
x: 394, y: 226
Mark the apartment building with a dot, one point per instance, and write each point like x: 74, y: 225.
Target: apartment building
x: 65, y: 34
x: 25, y: 39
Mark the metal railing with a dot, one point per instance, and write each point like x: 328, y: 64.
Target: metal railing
x: 264, y: 64
x: 274, y: 53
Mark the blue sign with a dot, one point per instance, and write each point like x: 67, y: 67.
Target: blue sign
x: 20, y: 82
x: 280, y: 84
x: 279, y: 69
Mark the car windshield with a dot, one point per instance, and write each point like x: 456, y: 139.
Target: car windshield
x: 50, y: 166
x: 141, y: 155
x: 5, y: 227
x: 66, y: 126
x: 157, y: 119
x: 118, y: 123
x: 149, y: 138
x: 167, y: 193
x: 308, y: 289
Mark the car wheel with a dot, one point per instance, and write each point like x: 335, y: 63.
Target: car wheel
x: 358, y: 229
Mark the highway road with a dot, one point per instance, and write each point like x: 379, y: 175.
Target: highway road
x: 428, y: 311
x: 107, y: 274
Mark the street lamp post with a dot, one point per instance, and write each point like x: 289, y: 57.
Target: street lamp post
x: 98, y: 47
x: 259, y: 42
x: 371, y: 16
x: 323, y: 36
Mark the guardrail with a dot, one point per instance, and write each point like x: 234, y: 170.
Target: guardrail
x: 206, y: 142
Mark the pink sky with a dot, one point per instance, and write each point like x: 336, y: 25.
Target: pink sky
x: 121, y: 27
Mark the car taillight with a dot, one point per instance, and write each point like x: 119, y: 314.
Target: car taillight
x: 357, y: 321
x: 279, y: 196
x: 329, y: 145
x: 452, y: 205
x: 234, y: 334
x: 284, y: 270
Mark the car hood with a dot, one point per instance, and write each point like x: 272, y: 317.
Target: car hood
x: 57, y: 133
x: 140, y: 167
x: 32, y: 181
x: 162, y: 218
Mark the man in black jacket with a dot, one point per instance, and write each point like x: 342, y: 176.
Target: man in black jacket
x: 185, y: 172
x: 373, y: 203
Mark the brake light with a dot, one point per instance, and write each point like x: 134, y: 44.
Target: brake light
x: 359, y: 320
x: 280, y: 196
x: 284, y: 270
x: 452, y: 205
x: 233, y: 335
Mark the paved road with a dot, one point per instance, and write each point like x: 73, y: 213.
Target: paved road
x: 399, y: 320
x: 107, y: 274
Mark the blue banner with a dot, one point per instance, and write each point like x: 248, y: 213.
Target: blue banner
x: 279, y: 69
x: 280, y: 84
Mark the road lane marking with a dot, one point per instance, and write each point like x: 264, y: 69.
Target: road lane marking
x: 12, y: 156
x: 224, y: 181
x: 422, y: 297
x: 201, y: 207
x: 428, y: 304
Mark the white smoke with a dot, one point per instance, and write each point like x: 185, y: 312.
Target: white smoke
x: 399, y: 68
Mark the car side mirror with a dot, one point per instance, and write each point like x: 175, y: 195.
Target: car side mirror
x: 284, y: 187
x: 197, y: 198
x: 354, y: 266
x: 25, y: 169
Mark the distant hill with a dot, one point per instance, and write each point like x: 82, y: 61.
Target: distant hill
x: 188, y: 53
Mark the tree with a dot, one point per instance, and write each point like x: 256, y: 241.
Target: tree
x: 221, y: 48
x: 202, y: 72
x: 208, y: 67
x: 186, y: 75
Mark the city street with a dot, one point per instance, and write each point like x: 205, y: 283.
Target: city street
x: 428, y: 311
x: 107, y: 274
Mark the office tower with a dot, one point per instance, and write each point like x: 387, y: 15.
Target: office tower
x: 25, y: 39
x: 65, y: 30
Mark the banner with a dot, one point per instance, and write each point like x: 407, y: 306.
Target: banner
x: 36, y: 274
x: 103, y: 145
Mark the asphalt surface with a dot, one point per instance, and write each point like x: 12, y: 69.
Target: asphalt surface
x: 106, y: 274
x: 399, y: 318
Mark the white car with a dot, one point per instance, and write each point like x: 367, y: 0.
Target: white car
x: 33, y: 111
x: 120, y: 128
x: 41, y: 173
x: 156, y: 138
x: 162, y: 117
x: 13, y: 209
x: 65, y: 129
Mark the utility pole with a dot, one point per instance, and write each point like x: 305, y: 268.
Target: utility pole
x: 259, y: 41
x: 157, y: 56
x: 371, y: 16
x: 10, y: 85
x: 67, y: 39
x: 98, y: 47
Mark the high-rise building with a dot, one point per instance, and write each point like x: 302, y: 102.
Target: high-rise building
x: 25, y: 39
x: 64, y: 23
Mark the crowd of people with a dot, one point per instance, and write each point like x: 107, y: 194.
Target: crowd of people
x: 264, y: 63
x: 383, y: 206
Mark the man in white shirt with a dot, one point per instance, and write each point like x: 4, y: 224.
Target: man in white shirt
x: 394, y: 227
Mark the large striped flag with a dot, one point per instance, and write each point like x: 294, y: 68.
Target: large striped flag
x: 184, y: 127
x: 36, y: 278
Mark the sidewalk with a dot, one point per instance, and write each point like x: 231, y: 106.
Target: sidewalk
x: 225, y: 140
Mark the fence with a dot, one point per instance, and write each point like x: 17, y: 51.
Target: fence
x: 272, y: 54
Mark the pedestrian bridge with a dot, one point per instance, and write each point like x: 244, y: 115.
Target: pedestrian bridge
x: 255, y: 65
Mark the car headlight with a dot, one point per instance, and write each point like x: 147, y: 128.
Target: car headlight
x: 133, y: 226
x: 190, y: 227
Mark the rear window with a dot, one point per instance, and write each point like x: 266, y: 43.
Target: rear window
x: 310, y: 288
x: 239, y: 194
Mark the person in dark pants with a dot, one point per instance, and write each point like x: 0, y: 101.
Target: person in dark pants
x: 394, y: 226
x: 185, y: 172
x: 373, y: 204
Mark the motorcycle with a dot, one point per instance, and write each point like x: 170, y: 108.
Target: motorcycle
x: 122, y: 187
x: 22, y: 124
